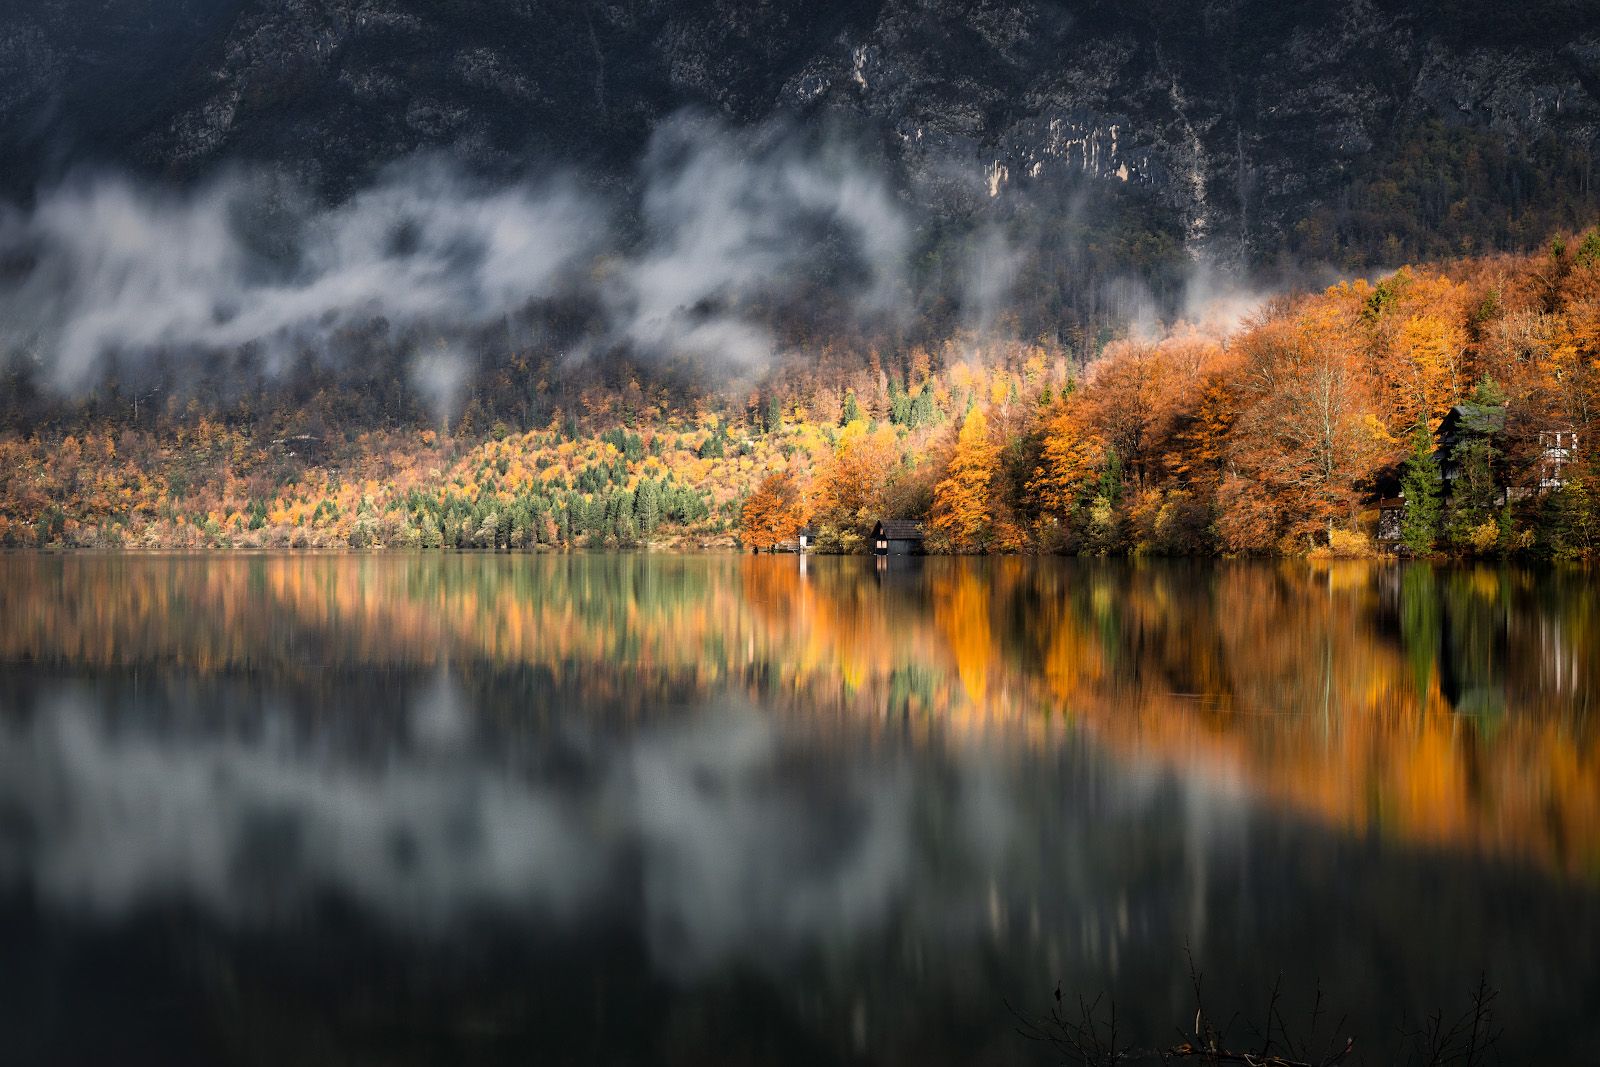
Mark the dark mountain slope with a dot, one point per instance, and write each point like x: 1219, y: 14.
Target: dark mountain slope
x: 1257, y: 125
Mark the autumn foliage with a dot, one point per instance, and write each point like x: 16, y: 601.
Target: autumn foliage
x: 772, y: 513
x: 963, y: 499
x: 1282, y: 434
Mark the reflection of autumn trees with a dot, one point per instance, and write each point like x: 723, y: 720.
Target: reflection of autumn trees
x: 909, y: 643
x: 1440, y: 706
x: 1331, y: 691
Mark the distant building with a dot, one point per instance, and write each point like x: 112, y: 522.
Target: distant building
x: 1557, y: 450
x: 803, y: 541
x: 1391, y: 520
x: 304, y: 446
x: 897, y: 537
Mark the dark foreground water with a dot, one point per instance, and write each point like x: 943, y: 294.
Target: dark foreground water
x: 586, y: 809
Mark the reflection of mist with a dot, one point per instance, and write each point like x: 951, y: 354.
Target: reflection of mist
x: 440, y: 718
x: 854, y: 840
x: 737, y: 853
x: 117, y: 818
x: 864, y: 875
x: 727, y: 840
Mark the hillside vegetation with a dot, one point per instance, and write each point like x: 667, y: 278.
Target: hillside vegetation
x: 1278, y: 436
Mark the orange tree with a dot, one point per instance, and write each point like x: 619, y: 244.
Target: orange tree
x: 772, y: 513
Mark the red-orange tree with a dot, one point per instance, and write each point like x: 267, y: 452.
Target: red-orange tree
x: 772, y: 513
x: 1306, y: 436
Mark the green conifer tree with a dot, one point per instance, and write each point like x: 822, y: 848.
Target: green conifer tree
x: 647, y: 506
x: 623, y: 522
x: 899, y: 403
x: 1423, y: 488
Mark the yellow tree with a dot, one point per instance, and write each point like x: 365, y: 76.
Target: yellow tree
x: 1430, y: 370
x: 848, y: 491
x: 964, y: 501
x: 1200, y: 448
x: 1068, y: 462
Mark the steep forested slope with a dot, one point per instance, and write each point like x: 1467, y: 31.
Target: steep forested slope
x: 1329, y: 127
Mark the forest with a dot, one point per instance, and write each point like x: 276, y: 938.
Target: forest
x: 1287, y: 433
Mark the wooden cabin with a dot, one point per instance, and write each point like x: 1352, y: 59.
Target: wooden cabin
x: 1460, y: 423
x: 1557, y: 450
x: 897, y: 537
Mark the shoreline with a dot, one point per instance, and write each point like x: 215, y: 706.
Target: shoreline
x: 1439, y: 560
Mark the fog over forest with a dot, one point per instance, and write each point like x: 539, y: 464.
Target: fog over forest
x: 730, y: 248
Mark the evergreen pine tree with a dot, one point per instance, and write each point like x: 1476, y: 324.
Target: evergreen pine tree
x: 1423, y: 489
x: 1473, y: 491
x: 713, y: 447
x: 623, y: 523
x: 899, y: 403
x: 647, y: 506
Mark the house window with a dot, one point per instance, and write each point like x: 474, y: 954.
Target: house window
x: 1557, y: 450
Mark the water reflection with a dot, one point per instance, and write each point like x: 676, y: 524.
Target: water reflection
x: 825, y: 812
x: 1450, y: 706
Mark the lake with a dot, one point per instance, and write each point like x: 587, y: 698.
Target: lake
x: 728, y: 809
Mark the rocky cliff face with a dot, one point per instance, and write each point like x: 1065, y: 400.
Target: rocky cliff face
x: 1238, y: 117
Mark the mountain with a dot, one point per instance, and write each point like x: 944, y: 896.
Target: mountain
x: 1350, y: 132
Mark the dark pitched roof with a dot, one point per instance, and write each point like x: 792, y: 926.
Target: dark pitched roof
x: 1473, y: 418
x: 898, y: 529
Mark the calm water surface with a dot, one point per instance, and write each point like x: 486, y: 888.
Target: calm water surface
x: 624, y: 809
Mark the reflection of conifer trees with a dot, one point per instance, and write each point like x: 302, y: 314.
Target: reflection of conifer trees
x: 1420, y: 624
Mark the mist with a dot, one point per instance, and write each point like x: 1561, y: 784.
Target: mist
x: 720, y: 234
x: 120, y: 269
x: 108, y: 269
x: 735, y: 221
